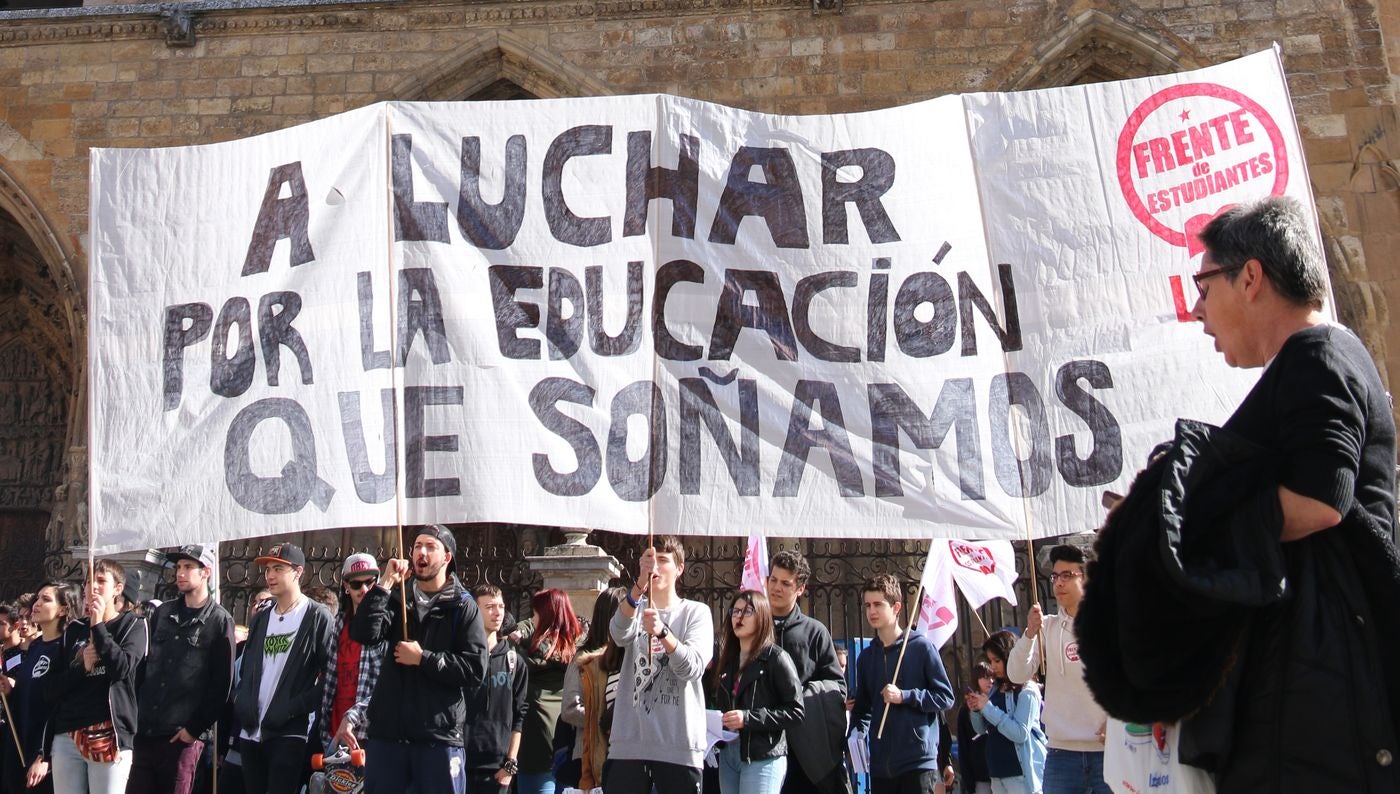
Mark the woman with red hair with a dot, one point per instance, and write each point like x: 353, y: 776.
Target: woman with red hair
x: 549, y: 638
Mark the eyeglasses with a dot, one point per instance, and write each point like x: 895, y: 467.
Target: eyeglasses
x: 741, y: 612
x: 1212, y: 273
x: 359, y: 584
x: 1065, y: 576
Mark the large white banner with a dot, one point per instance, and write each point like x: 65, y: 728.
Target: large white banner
x: 965, y: 317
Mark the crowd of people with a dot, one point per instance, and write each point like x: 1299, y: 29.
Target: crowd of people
x: 444, y: 691
x: 430, y: 688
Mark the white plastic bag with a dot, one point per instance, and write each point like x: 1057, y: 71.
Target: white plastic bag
x: 1138, y: 759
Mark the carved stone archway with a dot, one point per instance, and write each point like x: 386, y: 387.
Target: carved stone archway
x: 1096, y: 46
x: 42, y: 417
x: 481, y: 65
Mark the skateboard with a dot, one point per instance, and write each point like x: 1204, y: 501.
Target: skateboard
x: 341, y: 772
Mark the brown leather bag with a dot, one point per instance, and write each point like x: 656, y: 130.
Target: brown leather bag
x: 97, y: 743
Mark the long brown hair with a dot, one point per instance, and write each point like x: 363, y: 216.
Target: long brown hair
x: 1000, y: 645
x: 763, y: 617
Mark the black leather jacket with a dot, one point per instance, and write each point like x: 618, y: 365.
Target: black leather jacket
x: 770, y: 695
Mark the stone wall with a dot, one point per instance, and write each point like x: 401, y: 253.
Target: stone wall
x: 128, y: 76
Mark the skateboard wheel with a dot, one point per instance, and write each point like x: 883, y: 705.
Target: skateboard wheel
x: 357, y: 757
x: 318, y: 761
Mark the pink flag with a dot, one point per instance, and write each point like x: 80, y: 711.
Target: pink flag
x: 938, y: 614
x: 756, y: 564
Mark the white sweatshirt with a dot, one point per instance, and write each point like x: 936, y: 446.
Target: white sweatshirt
x: 1072, y: 719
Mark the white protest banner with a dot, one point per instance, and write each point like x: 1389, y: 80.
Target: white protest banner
x: 963, y: 318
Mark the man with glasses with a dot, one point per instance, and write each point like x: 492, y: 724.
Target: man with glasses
x: 353, y: 668
x: 1074, y: 723
x: 1314, y: 693
x: 280, y: 684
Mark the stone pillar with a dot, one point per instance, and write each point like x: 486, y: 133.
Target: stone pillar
x: 578, y: 568
x: 143, y: 568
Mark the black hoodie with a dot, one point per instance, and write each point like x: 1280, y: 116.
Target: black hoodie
x: 498, y: 708
x: 80, y: 698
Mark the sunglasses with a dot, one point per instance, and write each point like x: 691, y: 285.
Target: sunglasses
x: 359, y: 584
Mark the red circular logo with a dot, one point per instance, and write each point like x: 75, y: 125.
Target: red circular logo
x: 1190, y: 151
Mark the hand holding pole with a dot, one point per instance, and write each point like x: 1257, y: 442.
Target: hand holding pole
x: 913, y: 621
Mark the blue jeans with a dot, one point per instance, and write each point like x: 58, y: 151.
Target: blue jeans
x: 73, y: 774
x: 1009, y: 785
x: 535, y: 783
x: 763, y: 776
x: 1074, y: 772
x: 393, y: 768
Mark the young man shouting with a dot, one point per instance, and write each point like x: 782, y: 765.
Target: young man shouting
x: 437, y: 657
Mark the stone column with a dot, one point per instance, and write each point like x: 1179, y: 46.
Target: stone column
x: 144, y: 568
x: 578, y: 568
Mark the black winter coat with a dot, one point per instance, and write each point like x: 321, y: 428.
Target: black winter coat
x: 769, y: 694
x: 426, y: 703
x: 1279, y: 658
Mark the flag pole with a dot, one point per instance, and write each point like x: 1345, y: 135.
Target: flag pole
x: 14, y: 731
x: 394, y: 385
x: 1035, y: 596
x: 913, y: 621
x: 218, y: 579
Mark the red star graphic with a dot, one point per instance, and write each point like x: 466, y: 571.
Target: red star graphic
x: 1185, y: 115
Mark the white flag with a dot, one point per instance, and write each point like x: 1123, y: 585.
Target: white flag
x: 938, y: 614
x: 756, y: 564
x: 983, y: 570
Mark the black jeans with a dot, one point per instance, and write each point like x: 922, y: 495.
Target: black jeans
x: 483, y: 781
x: 917, y: 781
x: 273, y: 766
x: 638, y: 777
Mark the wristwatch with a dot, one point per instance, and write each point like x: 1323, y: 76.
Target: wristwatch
x: 664, y: 633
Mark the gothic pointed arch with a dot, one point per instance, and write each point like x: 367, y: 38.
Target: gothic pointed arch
x: 42, y: 350
x: 496, y: 65
x: 1096, y: 46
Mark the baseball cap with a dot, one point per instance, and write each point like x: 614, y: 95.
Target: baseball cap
x: 285, y: 553
x: 443, y: 535
x: 204, y: 555
x: 357, y: 565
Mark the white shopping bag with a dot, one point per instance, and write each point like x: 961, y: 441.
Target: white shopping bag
x: 1143, y: 758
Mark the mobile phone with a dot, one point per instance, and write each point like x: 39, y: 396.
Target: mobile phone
x: 1111, y: 499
